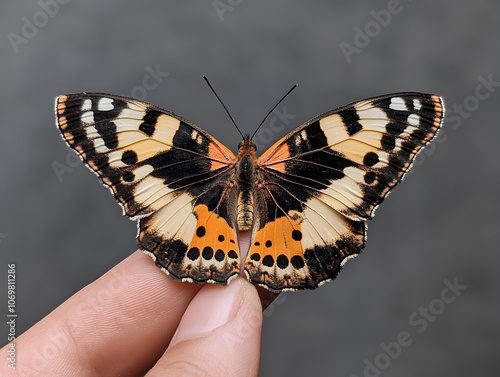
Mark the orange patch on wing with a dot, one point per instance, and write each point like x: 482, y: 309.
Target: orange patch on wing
x: 63, y: 123
x: 69, y: 137
x: 221, y: 156
x: 438, y: 106
x: 274, y: 158
x: 61, y: 104
x: 269, y: 154
x: 278, y: 237
x: 212, y: 231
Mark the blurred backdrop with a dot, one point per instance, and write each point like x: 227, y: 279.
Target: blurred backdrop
x: 440, y: 226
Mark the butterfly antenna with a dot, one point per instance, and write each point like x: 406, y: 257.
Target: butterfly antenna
x: 275, y: 106
x: 224, y: 106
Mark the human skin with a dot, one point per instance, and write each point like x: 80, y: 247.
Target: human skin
x: 135, y: 321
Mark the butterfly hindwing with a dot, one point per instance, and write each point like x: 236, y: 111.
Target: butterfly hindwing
x: 164, y: 171
x: 329, y: 176
x: 192, y: 244
x: 299, y: 248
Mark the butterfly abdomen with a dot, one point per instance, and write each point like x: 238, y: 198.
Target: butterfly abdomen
x: 245, y: 210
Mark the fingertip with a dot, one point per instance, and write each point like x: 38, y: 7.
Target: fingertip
x: 219, y: 333
x: 214, y: 306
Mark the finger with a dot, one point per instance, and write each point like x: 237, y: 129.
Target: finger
x: 219, y: 334
x: 118, y: 325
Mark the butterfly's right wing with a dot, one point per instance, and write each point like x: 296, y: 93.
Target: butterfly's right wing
x: 165, y: 172
x: 321, y: 182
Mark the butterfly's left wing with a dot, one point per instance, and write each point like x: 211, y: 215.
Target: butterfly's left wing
x: 322, y: 181
x: 165, y: 172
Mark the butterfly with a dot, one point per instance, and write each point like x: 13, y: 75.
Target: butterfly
x: 306, y: 200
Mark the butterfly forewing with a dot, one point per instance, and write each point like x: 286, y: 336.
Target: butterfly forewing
x: 324, y: 179
x: 164, y: 171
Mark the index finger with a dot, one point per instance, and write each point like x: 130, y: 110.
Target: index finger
x: 118, y: 325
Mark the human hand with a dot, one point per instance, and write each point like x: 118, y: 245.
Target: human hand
x: 134, y: 321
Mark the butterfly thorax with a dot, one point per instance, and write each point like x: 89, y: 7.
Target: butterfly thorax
x: 245, y: 177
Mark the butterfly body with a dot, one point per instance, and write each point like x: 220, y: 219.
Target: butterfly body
x: 305, y: 200
x: 246, y: 163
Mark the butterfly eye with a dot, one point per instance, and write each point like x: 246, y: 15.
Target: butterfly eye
x: 240, y: 145
x: 254, y: 147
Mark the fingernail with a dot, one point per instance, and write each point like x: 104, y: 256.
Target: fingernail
x: 212, y: 307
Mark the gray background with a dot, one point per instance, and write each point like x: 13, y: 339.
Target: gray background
x: 441, y: 223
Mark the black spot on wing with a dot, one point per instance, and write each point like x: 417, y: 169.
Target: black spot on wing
x: 200, y: 231
x: 296, y: 235
x: 128, y: 176
x: 255, y: 257
x: 219, y: 255
x: 147, y: 128
x: 149, y: 120
x: 207, y: 253
x: 350, y: 118
x: 388, y: 142
x: 268, y: 261
x: 369, y: 177
x: 129, y: 157
x: 193, y: 253
x: 297, y: 261
x: 107, y: 131
x: 370, y: 159
x: 282, y: 261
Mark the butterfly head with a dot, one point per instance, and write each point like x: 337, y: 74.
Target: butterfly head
x: 247, y: 145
